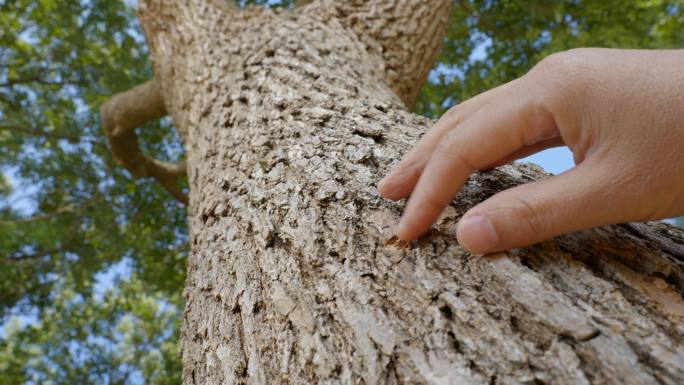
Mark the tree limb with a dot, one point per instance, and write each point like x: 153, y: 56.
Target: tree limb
x: 25, y: 257
x: 36, y: 79
x: 69, y: 208
x: 37, y: 132
x: 301, y: 3
x: 120, y: 116
x: 466, y: 7
x: 388, y: 29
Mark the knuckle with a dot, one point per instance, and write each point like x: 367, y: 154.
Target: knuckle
x: 449, y: 149
x: 567, y: 69
x: 571, y: 61
x: 448, y: 141
x: 528, y: 212
x: 432, y: 204
x: 452, y: 113
x: 403, y: 172
x: 539, y: 121
x: 452, y: 118
x: 563, y: 75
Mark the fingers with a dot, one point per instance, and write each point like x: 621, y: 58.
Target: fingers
x: 528, y: 150
x: 400, y: 181
x: 586, y: 196
x: 494, y: 132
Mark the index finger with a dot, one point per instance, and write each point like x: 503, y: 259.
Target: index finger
x: 399, y: 182
x: 495, y: 131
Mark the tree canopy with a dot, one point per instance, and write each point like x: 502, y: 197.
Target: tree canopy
x: 93, y: 261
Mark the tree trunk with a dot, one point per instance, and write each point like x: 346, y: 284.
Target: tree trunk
x: 289, y: 119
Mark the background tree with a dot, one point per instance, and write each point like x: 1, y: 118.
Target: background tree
x: 70, y: 217
x: 69, y: 213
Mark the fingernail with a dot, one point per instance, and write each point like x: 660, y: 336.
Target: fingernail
x: 477, y: 234
x: 393, y: 229
x: 384, y: 189
x: 399, y: 228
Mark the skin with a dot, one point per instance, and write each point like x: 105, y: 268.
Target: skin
x: 621, y: 113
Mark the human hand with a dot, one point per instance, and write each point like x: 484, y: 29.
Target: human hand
x: 621, y: 113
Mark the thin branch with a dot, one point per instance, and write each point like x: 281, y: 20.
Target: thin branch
x: 37, y: 132
x: 25, y: 257
x: 70, y: 208
x: 120, y: 116
x: 53, y: 135
x: 10, y: 103
x: 479, y: 18
x: 13, y: 64
x: 301, y: 3
x: 36, y: 79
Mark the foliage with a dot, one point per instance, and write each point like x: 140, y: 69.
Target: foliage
x: 67, y: 211
x: 123, y: 337
x: 492, y: 42
x: 69, y: 216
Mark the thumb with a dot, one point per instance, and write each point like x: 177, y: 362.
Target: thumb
x: 585, y: 196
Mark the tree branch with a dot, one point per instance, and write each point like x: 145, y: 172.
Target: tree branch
x: 466, y: 7
x: 69, y: 208
x: 37, y: 132
x: 301, y: 3
x: 407, y: 35
x: 37, y: 79
x: 120, y: 116
x: 25, y: 257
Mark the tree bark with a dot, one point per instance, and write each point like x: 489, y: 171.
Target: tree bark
x: 289, y: 119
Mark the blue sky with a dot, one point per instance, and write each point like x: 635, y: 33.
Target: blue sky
x: 553, y: 160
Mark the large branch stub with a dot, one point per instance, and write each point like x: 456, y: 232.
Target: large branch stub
x: 406, y: 34
x: 120, y: 116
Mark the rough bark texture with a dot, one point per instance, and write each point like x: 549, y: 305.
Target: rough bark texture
x: 289, y: 119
